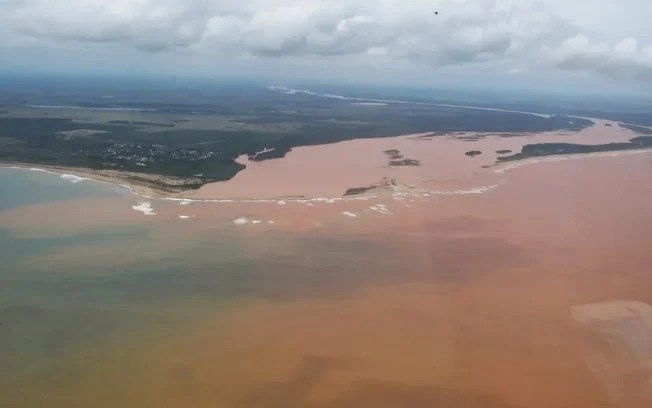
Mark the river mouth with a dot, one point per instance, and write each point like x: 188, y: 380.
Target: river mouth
x: 398, y: 299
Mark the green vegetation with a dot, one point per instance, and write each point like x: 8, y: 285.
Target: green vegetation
x: 404, y: 162
x: 638, y: 129
x: 357, y: 190
x: 550, y: 149
x: 396, y: 159
x: 141, y: 122
x: 393, y: 154
x: 199, y: 137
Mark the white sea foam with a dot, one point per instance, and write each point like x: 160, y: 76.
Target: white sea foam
x: 281, y: 202
x: 185, y: 202
x: 349, y: 214
x: 185, y: 217
x: 241, y: 221
x: 471, y: 190
x: 256, y: 221
x: 72, y: 178
x: 381, y: 208
x: 145, y: 207
x: 270, y: 222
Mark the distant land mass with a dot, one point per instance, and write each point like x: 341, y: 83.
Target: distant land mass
x: 182, y: 145
x: 550, y: 149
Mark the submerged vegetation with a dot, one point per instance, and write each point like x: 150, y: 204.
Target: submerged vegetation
x: 396, y: 159
x: 404, y: 162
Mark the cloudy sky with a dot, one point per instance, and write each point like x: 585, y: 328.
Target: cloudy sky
x: 537, y: 43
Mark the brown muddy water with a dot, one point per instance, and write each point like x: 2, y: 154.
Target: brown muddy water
x: 505, y: 297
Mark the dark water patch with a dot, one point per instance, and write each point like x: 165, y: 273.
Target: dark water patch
x: 381, y: 394
x: 464, y: 259
x: 315, y: 371
x: 292, y: 267
x: 295, y: 391
x: 15, y: 248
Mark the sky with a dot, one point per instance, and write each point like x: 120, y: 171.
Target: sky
x: 564, y: 44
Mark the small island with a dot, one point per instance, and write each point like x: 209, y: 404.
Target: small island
x: 393, y: 154
x: 396, y: 159
x: 404, y: 162
x: 387, y: 184
x: 473, y: 153
x: 504, y: 151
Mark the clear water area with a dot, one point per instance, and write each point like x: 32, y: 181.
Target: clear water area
x: 23, y: 187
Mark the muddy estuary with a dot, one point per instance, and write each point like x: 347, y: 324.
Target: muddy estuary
x: 527, y: 287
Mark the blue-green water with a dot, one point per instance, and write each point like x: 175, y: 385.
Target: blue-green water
x: 107, y: 294
x: 23, y: 187
x: 82, y: 288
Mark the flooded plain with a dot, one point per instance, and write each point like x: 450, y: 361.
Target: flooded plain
x: 443, y: 164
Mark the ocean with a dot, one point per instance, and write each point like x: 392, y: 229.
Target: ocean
x: 462, y: 300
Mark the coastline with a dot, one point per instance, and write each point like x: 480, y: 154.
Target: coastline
x: 142, y: 190
x: 139, y: 187
x: 140, y: 184
x: 511, y: 165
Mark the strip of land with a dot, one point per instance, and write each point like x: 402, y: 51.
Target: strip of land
x: 556, y: 149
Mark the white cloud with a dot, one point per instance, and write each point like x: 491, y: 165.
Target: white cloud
x: 506, y: 33
x: 622, y: 60
x: 463, y: 31
x: 143, y: 24
x: 626, y: 46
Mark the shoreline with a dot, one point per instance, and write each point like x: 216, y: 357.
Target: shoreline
x: 501, y: 168
x: 147, y: 193
x: 139, y: 184
x: 136, y: 184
